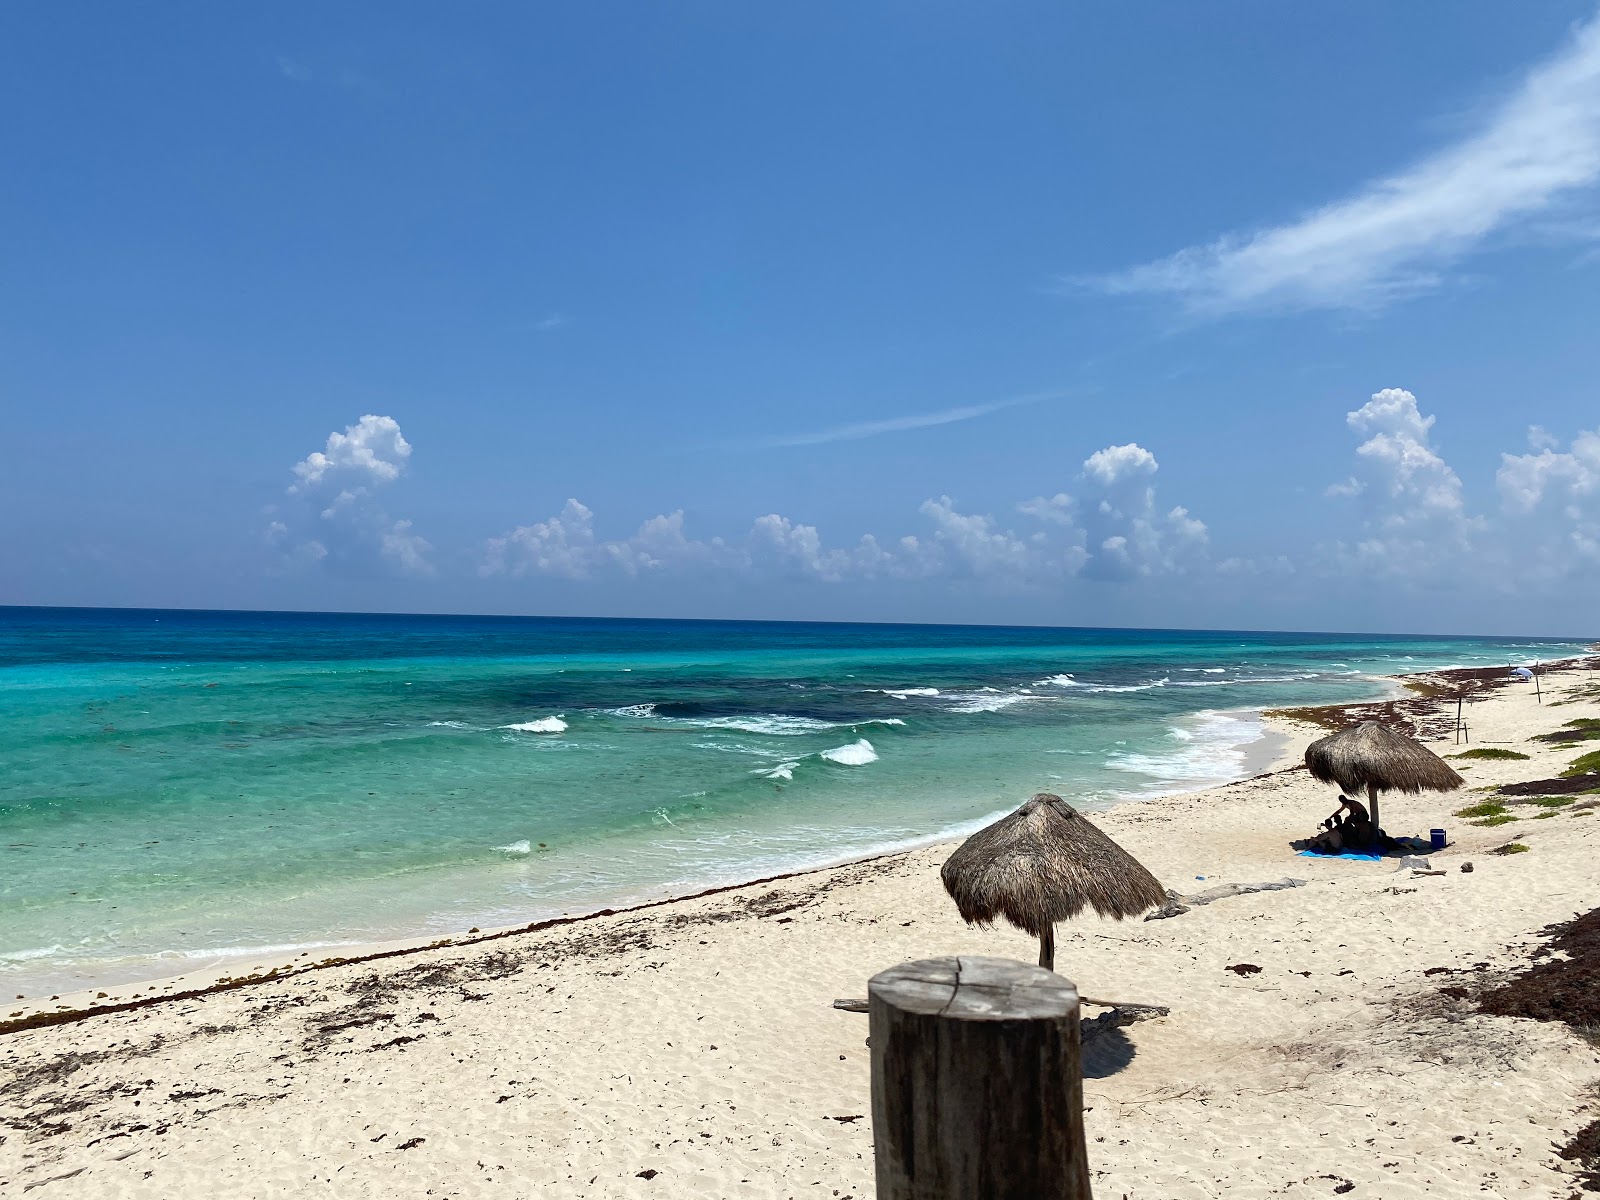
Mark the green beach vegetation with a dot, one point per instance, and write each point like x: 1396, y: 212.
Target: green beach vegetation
x: 1583, y: 729
x: 1488, y: 808
x: 1493, y: 752
x: 1584, y: 764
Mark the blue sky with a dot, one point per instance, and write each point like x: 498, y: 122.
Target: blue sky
x: 1238, y: 314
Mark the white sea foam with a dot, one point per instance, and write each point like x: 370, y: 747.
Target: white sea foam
x: 1208, y: 747
x: 783, y: 771
x: 448, y: 725
x: 251, y: 951
x: 634, y: 710
x: 988, y: 700
x: 768, y: 724
x: 777, y: 724
x: 1058, y: 681
x: 1130, y: 687
x: 522, y: 847
x: 736, y: 748
x: 857, y: 754
x: 30, y: 955
x: 906, y: 693
x: 1203, y: 670
x: 543, y: 725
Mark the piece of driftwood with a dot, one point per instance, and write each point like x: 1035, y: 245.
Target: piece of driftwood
x: 1177, y: 905
x: 977, y: 1082
x: 1118, y: 1018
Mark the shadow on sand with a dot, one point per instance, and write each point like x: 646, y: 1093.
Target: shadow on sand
x: 1106, y: 1053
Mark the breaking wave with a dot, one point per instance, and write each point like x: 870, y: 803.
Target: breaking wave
x: 856, y: 754
x: 542, y: 725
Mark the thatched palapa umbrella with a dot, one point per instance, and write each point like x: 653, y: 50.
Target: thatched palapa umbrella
x: 1372, y: 758
x: 1042, y: 864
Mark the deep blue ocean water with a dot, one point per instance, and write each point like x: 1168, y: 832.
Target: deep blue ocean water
x: 187, y: 788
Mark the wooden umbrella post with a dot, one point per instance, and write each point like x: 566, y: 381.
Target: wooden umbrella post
x: 1372, y: 801
x: 977, y: 1082
x: 1047, y: 948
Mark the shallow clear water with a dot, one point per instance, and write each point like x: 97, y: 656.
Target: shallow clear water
x: 182, y: 788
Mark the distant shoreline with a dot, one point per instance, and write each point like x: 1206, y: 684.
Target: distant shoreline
x: 1273, y: 754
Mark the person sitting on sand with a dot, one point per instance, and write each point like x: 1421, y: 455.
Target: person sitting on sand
x: 1352, y: 830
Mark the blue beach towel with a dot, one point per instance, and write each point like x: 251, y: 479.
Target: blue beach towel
x: 1350, y: 854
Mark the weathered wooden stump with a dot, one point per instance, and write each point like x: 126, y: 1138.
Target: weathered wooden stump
x: 977, y: 1085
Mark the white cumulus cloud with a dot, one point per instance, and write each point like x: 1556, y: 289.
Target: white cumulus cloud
x: 331, y: 514
x: 1557, y: 493
x: 566, y: 546
x: 1115, y: 464
x: 1539, y: 147
x: 371, y: 452
x: 1123, y: 531
x: 1413, y: 514
x: 1114, y: 530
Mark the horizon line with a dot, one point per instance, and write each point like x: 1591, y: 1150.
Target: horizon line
x: 294, y: 612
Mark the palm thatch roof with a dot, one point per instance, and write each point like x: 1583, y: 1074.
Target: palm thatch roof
x: 1371, y: 756
x: 1042, y: 864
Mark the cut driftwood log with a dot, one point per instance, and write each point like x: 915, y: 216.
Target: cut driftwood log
x: 977, y: 1082
x: 860, y: 1006
x: 1177, y: 905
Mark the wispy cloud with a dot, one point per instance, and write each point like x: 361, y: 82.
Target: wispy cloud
x: 319, y: 71
x: 293, y: 70
x: 1395, y: 236
x: 866, y: 429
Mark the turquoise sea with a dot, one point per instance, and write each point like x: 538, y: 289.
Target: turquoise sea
x: 189, y: 789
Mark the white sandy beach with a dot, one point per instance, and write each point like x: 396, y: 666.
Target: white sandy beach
x: 690, y: 1049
